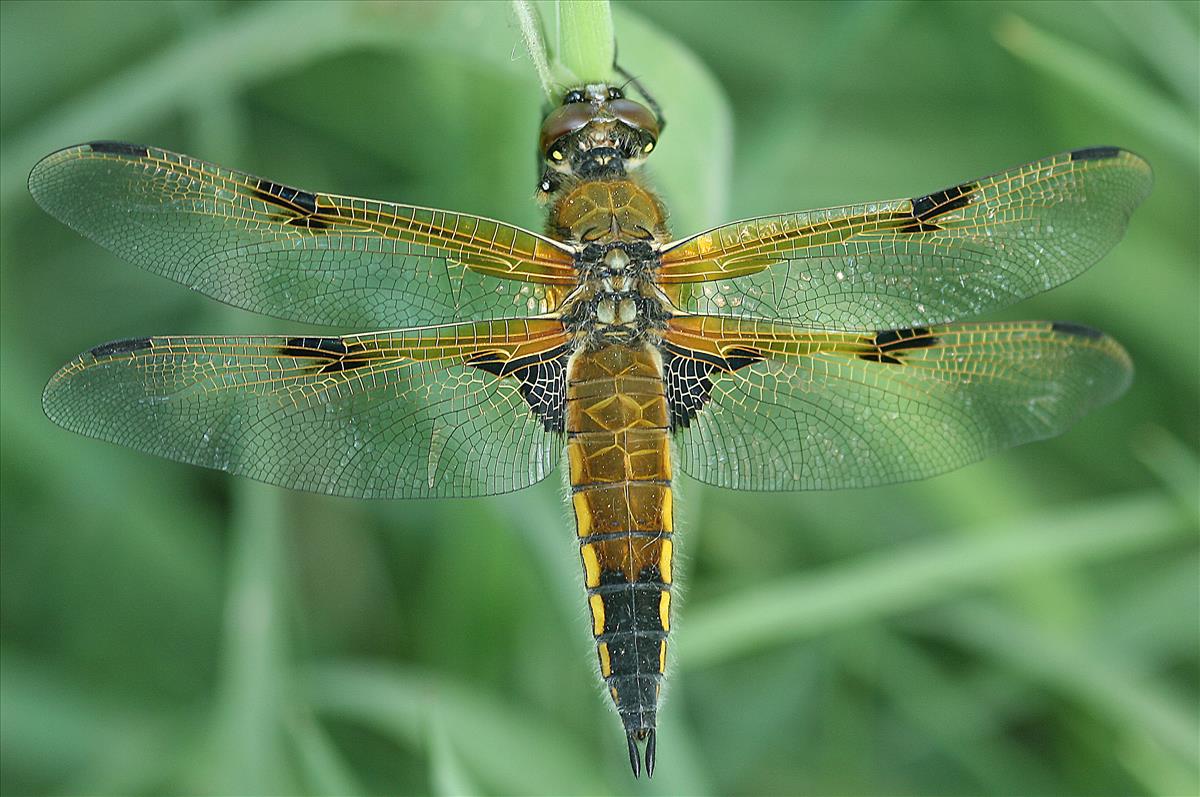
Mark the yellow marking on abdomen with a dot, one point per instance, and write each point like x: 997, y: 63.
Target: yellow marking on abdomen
x: 664, y: 556
x: 605, y: 661
x: 596, y: 603
x: 583, y: 513
x: 591, y: 566
x: 664, y: 610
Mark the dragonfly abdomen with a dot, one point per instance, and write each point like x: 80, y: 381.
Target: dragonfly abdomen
x: 617, y: 442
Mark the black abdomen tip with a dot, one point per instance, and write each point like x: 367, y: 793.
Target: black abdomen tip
x: 634, y: 738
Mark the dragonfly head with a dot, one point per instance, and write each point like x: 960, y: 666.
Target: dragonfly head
x: 597, y: 130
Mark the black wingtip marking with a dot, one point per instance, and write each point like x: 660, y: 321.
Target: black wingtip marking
x: 929, y: 207
x: 889, y: 345
x: 127, y: 346
x: 118, y: 148
x: 1079, y: 330
x: 1095, y: 153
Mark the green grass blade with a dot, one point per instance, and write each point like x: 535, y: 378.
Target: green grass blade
x: 446, y: 771
x: 1129, y: 703
x: 319, y: 763
x: 1172, y: 463
x: 248, y: 754
x: 506, y: 749
x: 1108, y: 86
x: 1164, y: 38
x: 925, y: 573
x: 247, y: 47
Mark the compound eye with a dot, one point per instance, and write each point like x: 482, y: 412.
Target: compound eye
x: 635, y: 115
x: 563, y: 121
x: 573, y: 96
x: 614, y: 93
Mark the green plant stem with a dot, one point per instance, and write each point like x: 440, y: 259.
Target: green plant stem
x: 586, y: 43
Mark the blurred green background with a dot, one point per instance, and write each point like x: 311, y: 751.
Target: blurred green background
x: 1028, y: 625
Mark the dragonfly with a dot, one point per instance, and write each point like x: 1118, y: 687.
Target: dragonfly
x: 821, y: 349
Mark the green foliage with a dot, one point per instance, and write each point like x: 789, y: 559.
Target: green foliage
x: 1025, y: 625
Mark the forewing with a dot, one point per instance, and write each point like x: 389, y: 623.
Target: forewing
x: 433, y: 412
x: 316, y: 258
x: 931, y: 259
x: 764, y: 407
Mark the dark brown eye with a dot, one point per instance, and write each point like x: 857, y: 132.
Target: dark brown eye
x: 564, y: 120
x: 635, y: 115
x: 614, y: 93
x: 573, y: 96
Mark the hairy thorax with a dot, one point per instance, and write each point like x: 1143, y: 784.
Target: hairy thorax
x: 621, y: 225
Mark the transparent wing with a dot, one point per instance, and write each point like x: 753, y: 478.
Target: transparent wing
x: 773, y: 408
x: 431, y: 412
x: 316, y: 258
x: 927, y: 260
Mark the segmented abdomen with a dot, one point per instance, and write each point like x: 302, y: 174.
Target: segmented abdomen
x: 619, y: 453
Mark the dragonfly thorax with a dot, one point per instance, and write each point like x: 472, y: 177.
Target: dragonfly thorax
x: 616, y: 300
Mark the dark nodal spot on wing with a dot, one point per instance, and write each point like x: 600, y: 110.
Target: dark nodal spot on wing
x: 888, y: 337
x: 1095, y: 153
x: 889, y: 345
x: 904, y: 338
x: 1079, y: 330
x: 294, y: 198
x: 337, y: 355
x: 127, y: 346
x: 345, y: 364
x: 876, y: 357
x: 314, y: 347
x: 308, y: 223
x: 929, y: 207
x: 274, y: 190
x: 306, y: 200
x: 921, y: 226
x: 118, y: 148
